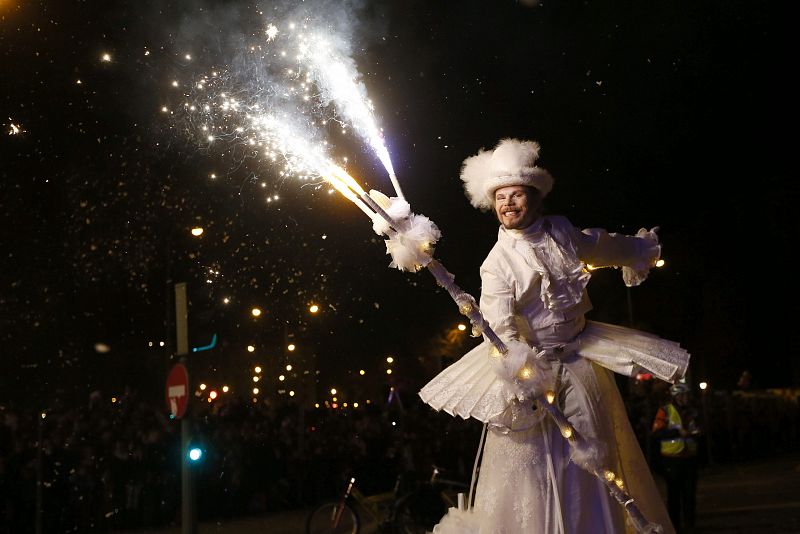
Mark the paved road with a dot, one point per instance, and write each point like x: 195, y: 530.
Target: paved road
x: 760, y: 497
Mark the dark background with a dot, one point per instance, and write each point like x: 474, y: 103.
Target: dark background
x: 666, y: 114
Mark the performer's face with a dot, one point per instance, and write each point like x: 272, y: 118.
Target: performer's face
x: 516, y: 206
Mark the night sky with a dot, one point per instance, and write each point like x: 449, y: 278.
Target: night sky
x: 649, y: 114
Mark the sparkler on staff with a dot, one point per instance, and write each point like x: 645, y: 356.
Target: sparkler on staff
x: 337, y: 78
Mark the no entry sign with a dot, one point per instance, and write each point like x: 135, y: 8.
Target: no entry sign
x: 178, y: 390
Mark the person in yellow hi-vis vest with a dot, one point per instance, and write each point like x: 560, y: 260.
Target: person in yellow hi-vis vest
x: 677, y: 430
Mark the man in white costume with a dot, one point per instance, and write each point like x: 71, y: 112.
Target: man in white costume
x: 532, y: 480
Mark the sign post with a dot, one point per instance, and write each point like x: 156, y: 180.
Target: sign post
x: 178, y: 393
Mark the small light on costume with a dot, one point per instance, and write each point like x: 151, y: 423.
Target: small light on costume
x: 314, y: 308
x: 550, y: 396
x: 703, y: 385
x: 197, y: 231
x: 462, y: 327
x: 609, y: 476
x: 291, y: 347
x: 389, y: 359
x: 250, y: 348
x: 495, y: 352
x: 212, y: 394
x: 289, y: 367
x: 388, y: 371
x: 203, y: 387
x: 225, y: 389
x: 620, y: 484
x: 281, y: 378
x: 333, y: 391
x: 590, y: 267
x: 355, y: 405
x: 255, y: 312
x: 291, y: 393
x: 566, y: 431
x: 105, y: 58
x: 255, y: 391
x: 660, y: 263
x: 525, y: 373
x: 465, y: 308
x: 362, y: 372
x: 44, y: 415
x: 257, y: 369
x: 255, y: 379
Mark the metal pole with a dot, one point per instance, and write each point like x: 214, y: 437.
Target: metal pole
x: 188, y: 518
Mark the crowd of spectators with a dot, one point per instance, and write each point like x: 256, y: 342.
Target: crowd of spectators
x: 114, y: 464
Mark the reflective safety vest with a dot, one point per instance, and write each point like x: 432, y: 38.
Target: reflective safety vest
x: 677, y: 446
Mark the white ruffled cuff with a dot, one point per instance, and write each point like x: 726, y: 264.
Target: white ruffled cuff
x: 651, y: 252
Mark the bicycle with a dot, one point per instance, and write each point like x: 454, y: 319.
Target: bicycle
x: 341, y: 517
x: 395, y: 512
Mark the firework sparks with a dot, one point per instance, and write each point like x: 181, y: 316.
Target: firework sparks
x: 275, y: 105
x: 335, y: 73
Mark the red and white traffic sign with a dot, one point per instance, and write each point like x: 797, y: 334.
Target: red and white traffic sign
x: 178, y: 390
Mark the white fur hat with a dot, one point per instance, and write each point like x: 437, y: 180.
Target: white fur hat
x: 510, y: 163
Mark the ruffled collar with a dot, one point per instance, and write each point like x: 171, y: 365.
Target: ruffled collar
x: 563, y: 275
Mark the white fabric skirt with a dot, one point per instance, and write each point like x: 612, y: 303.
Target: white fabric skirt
x: 470, y: 388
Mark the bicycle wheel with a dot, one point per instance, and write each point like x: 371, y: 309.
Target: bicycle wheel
x: 329, y: 518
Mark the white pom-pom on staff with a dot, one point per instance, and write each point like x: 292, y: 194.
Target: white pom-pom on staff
x: 411, y: 244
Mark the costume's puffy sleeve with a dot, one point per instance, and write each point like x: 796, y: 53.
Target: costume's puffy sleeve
x: 498, y: 304
x: 635, y: 254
